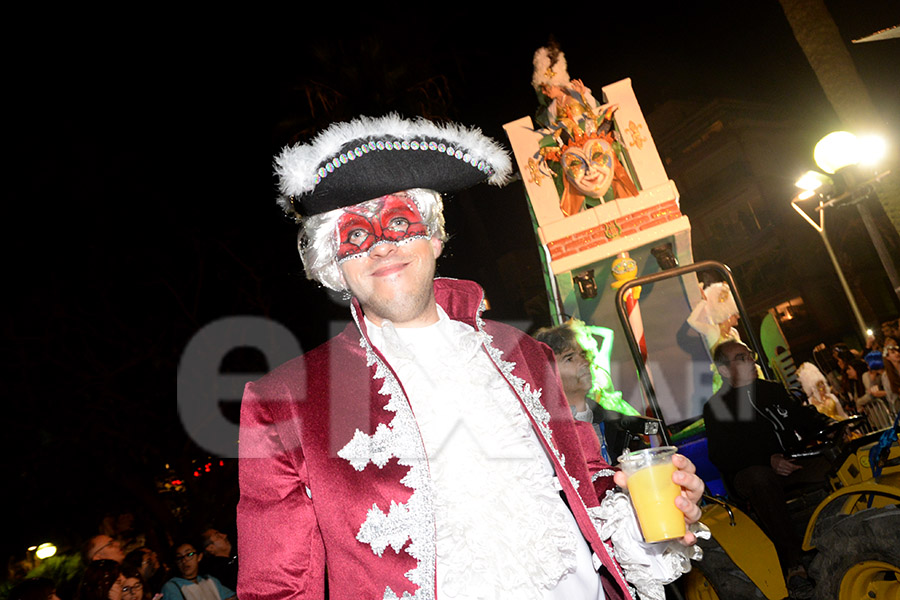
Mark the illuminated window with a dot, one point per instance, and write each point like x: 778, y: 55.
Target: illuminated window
x: 790, y: 310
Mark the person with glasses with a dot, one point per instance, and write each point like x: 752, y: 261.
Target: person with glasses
x: 750, y: 424
x: 153, y: 572
x: 192, y: 585
x: 134, y: 587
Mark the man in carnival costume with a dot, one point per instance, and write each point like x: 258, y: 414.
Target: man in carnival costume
x: 423, y: 452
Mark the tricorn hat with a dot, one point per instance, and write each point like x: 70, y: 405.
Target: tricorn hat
x: 367, y: 158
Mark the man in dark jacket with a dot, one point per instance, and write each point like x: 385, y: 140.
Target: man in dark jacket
x: 221, y: 556
x: 750, y: 424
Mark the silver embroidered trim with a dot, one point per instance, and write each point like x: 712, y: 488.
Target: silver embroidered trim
x: 530, y: 398
x: 602, y: 473
x: 377, y: 448
x: 413, y: 520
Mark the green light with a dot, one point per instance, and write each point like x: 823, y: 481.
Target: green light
x: 602, y: 389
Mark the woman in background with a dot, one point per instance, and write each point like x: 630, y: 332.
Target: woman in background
x: 891, y: 360
x: 134, y: 587
x: 873, y: 408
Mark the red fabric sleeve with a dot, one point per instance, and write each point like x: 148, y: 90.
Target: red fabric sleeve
x: 281, y: 549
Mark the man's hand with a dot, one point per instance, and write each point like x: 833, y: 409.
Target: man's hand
x: 783, y: 466
x: 691, y: 490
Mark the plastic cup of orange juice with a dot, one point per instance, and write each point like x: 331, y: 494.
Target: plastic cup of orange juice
x: 653, y: 492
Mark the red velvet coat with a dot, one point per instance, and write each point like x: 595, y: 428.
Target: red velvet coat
x: 333, y: 474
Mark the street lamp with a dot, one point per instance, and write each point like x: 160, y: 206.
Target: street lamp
x: 851, y: 160
x: 840, y: 149
x: 45, y: 550
x: 846, y: 158
x: 820, y: 229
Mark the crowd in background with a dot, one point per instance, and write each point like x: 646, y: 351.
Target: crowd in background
x: 867, y: 382
x: 122, y: 567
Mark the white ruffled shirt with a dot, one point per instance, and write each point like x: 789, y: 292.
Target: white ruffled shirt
x: 503, y: 531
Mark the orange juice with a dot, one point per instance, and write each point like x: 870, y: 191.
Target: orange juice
x: 653, y: 494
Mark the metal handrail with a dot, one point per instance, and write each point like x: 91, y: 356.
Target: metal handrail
x: 723, y: 504
x: 643, y: 375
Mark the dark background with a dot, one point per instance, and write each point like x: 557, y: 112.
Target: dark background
x: 142, y: 199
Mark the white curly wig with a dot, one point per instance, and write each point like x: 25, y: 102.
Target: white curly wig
x: 809, y: 376
x: 720, y: 305
x: 317, y: 239
x: 549, y: 68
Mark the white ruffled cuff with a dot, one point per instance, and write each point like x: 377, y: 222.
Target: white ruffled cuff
x: 647, y: 566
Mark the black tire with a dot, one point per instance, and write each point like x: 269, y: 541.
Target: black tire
x: 727, y: 579
x: 869, y: 535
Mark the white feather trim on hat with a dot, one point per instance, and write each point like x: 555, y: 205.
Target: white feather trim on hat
x: 297, y: 165
x: 809, y: 375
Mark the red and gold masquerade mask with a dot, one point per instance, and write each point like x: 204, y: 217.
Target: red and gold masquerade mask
x: 389, y: 219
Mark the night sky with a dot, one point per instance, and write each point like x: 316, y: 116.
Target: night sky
x: 142, y: 205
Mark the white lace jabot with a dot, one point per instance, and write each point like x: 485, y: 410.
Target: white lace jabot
x: 502, y: 529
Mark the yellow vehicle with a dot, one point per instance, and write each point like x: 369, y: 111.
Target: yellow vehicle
x: 855, y: 530
x: 852, y: 526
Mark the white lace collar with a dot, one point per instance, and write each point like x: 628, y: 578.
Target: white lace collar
x: 480, y: 445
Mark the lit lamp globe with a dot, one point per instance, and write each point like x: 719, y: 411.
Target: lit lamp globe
x: 841, y: 148
x: 45, y: 550
x: 835, y: 151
